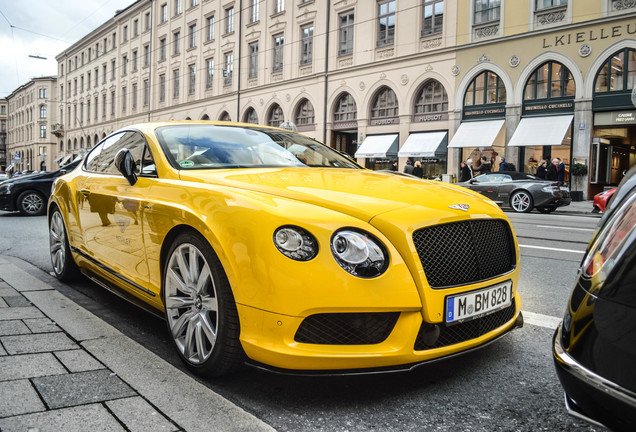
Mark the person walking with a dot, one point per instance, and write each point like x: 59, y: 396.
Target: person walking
x: 485, y: 167
x: 560, y: 167
x: 551, y: 172
x: 542, y: 171
x: 408, y: 168
x: 503, y: 166
x: 466, y: 172
x: 417, y: 169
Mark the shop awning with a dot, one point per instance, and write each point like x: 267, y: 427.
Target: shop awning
x: 541, y: 131
x: 428, y: 144
x: 57, y: 159
x: 65, y: 160
x: 477, y: 134
x: 378, y: 146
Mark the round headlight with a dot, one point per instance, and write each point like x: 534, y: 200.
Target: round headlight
x: 359, y: 253
x: 295, y: 243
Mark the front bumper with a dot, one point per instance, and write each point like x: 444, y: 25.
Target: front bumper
x: 6, y: 203
x: 591, y: 397
x: 403, y: 349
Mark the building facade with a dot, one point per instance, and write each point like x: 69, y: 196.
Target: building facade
x: 340, y: 71
x: 4, y: 109
x: 545, y: 79
x: 30, y: 142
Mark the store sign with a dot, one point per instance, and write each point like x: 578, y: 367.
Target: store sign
x: 615, y: 118
x: 548, y: 107
x: 618, y: 31
x: 430, y: 160
x: 423, y: 118
x: 385, y: 121
x: 345, y: 125
x: 484, y: 112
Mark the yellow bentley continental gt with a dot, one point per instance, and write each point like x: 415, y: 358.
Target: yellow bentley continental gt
x: 262, y: 246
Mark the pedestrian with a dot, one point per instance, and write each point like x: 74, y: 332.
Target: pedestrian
x: 466, y: 173
x: 503, y: 166
x: 560, y: 167
x: 542, y: 170
x: 551, y: 171
x: 485, y: 167
x: 394, y: 165
x: 408, y: 168
x: 417, y: 169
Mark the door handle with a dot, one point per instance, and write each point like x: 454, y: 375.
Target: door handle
x: 85, y: 192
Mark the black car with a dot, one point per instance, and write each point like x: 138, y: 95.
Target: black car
x: 594, y: 348
x: 29, y: 194
x: 520, y: 191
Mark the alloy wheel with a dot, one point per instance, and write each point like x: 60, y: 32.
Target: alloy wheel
x: 32, y: 203
x: 191, y: 304
x: 57, y: 242
x: 521, y: 202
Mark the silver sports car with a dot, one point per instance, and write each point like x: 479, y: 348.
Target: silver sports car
x: 520, y: 191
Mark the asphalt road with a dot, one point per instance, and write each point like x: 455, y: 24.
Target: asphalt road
x: 509, y: 385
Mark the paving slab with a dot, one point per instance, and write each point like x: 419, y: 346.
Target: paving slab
x: 23, y: 399
x: 3, y: 304
x: 78, y: 360
x: 13, y: 313
x: 16, y: 301
x: 21, y: 280
x: 37, y: 343
x: 6, y: 290
x: 174, y: 393
x: 79, y: 323
x: 139, y: 416
x: 13, y: 327
x: 41, y: 325
x: 29, y: 366
x: 93, y: 418
x: 2, y: 351
x: 61, y: 391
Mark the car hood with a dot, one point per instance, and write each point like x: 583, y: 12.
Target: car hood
x: 31, y: 177
x: 362, y: 194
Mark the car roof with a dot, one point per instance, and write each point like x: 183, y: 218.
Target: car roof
x: 516, y: 175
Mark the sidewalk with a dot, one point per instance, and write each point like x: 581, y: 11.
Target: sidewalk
x: 578, y: 207
x: 64, y: 369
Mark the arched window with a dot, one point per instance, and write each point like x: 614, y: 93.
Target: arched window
x: 61, y: 145
x: 81, y: 142
x: 431, y: 98
x: 251, y: 116
x: 68, y: 146
x: 618, y: 73
x: 96, y: 139
x: 275, y: 117
x: 485, y: 89
x: 42, y: 111
x: 75, y: 144
x: 205, y: 117
x: 225, y: 117
x: 550, y: 80
x: 305, y: 113
x: 346, y: 109
x: 385, y: 104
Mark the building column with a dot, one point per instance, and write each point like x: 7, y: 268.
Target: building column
x: 582, y: 125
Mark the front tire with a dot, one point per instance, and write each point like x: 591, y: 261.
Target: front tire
x: 199, y: 308
x: 31, y: 203
x: 64, y: 266
x: 521, y: 202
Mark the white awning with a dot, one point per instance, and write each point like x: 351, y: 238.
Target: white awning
x: 541, y: 131
x: 65, y: 160
x: 378, y: 146
x: 57, y: 159
x: 429, y: 144
x: 477, y: 134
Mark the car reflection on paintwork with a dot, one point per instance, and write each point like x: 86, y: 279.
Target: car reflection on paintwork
x: 520, y: 191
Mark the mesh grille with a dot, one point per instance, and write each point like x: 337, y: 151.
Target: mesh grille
x: 346, y: 328
x: 456, y: 333
x: 465, y: 252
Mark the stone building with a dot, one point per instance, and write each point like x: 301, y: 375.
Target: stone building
x: 4, y: 109
x: 31, y: 144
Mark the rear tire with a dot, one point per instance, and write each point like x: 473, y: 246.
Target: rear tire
x: 31, y: 203
x: 199, y: 308
x: 64, y: 266
x: 521, y: 202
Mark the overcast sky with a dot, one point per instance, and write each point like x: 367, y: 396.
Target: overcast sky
x: 44, y: 28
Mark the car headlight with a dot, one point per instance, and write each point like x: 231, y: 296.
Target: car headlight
x: 5, y: 188
x: 295, y: 243
x: 359, y: 253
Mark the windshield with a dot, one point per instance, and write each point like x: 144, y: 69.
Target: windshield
x: 193, y: 147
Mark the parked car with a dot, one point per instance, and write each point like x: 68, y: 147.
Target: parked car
x: 261, y: 245
x: 28, y: 194
x: 601, y: 199
x: 520, y: 191
x: 594, y: 348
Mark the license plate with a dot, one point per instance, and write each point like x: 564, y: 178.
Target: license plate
x: 476, y: 303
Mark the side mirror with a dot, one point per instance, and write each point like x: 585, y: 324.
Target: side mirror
x: 125, y: 163
x: 472, y: 181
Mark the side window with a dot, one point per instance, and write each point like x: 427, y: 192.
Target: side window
x: 148, y: 167
x: 92, y: 159
x: 506, y: 178
x: 107, y: 156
